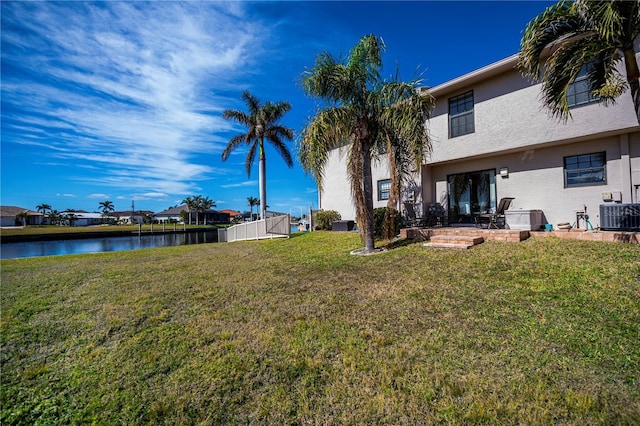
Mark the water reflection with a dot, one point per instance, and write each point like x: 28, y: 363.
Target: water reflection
x: 98, y: 245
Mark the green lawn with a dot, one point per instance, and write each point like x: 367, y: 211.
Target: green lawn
x: 299, y: 332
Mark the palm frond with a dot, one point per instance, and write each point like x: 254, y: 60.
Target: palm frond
x: 252, y: 102
x: 577, y: 33
x: 233, y: 144
x: 277, y: 143
x: 365, y: 60
x: 324, y: 132
x: 251, y: 155
x: 605, y: 82
x: 560, y: 71
x: 606, y: 17
x: 558, y: 22
x: 239, y: 117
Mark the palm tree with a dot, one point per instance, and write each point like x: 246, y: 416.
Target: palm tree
x: 253, y: 201
x: 191, y: 205
x: 54, y: 217
x: 43, y: 208
x: 583, y: 35
x: 71, y: 218
x: 197, y: 203
x: 262, y: 124
x: 370, y: 116
x: 106, y: 207
x: 204, y: 204
x: 23, y: 216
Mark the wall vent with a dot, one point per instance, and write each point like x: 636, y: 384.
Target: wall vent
x: 620, y: 217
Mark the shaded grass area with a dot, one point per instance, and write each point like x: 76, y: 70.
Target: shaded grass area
x: 298, y: 331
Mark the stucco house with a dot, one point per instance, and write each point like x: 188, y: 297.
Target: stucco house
x: 174, y: 214
x: 132, y: 217
x: 493, y: 138
x: 83, y: 218
x: 11, y: 216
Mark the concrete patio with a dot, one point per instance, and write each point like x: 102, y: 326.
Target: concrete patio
x: 516, y: 236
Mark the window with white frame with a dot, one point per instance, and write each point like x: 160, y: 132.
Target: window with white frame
x: 578, y: 92
x: 384, y: 189
x: 461, y: 115
x: 585, y: 170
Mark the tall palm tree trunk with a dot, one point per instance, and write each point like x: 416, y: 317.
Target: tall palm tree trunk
x: 633, y: 76
x: 388, y: 226
x: 262, y: 178
x: 367, y: 189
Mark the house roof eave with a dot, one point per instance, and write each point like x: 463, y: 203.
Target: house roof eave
x: 491, y: 70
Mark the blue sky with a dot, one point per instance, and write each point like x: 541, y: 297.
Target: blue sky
x: 122, y: 101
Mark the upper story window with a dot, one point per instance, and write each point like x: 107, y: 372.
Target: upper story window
x: 384, y: 189
x: 584, y: 170
x: 578, y: 92
x: 461, y: 115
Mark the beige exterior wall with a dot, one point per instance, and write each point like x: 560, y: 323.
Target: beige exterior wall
x: 337, y: 188
x: 536, y: 177
x: 509, y: 116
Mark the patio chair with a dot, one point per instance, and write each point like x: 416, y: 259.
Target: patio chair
x: 412, y: 219
x: 436, y: 215
x: 496, y: 219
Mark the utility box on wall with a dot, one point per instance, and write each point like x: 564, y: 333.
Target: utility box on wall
x: 523, y: 220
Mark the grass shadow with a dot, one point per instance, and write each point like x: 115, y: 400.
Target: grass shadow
x: 402, y: 242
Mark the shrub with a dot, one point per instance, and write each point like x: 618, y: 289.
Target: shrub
x: 379, y: 225
x: 325, y: 218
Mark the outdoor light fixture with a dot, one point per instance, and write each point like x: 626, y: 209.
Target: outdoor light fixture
x: 504, y: 172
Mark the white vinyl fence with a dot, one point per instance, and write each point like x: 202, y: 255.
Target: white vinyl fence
x: 273, y: 227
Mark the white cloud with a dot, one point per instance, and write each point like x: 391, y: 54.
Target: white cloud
x: 240, y: 185
x: 133, y: 88
x: 101, y: 196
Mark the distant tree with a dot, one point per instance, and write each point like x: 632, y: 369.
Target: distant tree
x: 191, y: 205
x: 106, y: 207
x: 43, y: 208
x: 262, y: 124
x: 204, y: 204
x: 23, y: 217
x: 183, y: 216
x: 54, y: 217
x: 253, y: 201
x: 583, y: 35
x: 198, y: 204
x: 70, y: 218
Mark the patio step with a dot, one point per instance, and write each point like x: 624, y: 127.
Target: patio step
x: 454, y: 241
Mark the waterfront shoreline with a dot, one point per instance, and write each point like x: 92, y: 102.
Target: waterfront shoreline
x: 94, y: 234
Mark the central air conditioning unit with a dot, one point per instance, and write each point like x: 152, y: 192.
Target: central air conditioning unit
x: 620, y: 217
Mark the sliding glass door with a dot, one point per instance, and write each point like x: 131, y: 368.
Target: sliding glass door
x: 471, y: 194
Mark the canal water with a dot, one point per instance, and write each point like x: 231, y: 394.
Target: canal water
x: 99, y: 245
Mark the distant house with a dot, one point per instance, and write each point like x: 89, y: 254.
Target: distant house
x: 232, y: 213
x: 11, y: 216
x: 194, y: 217
x: 170, y: 215
x: 83, y: 218
x: 128, y: 216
